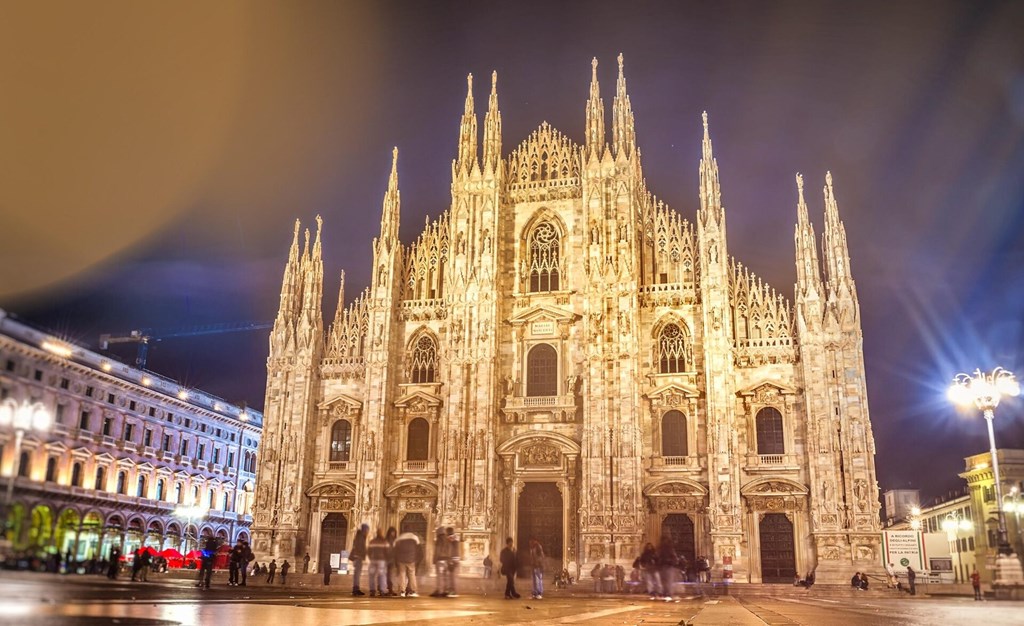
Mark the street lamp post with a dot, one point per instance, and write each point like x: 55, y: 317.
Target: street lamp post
x: 23, y: 418
x: 190, y: 513
x: 984, y: 391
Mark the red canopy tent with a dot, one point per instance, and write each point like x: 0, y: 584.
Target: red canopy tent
x: 174, y: 558
x: 220, y: 560
x: 193, y: 559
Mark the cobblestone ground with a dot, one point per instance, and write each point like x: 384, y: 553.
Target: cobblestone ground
x: 41, y: 599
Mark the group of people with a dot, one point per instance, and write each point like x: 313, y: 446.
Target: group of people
x: 393, y: 558
x: 533, y: 560
x: 859, y: 581
x: 661, y: 567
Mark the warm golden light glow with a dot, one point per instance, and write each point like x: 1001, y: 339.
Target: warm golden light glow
x: 106, y: 367
x: 183, y: 395
x: 147, y: 381
x: 58, y: 348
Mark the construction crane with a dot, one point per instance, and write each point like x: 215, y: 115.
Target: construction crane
x: 147, y: 336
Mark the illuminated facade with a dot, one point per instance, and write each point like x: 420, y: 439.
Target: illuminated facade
x: 561, y: 355
x: 125, y: 449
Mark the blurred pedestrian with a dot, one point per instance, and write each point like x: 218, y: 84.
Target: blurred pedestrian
x: 271, y: 571
x: 305, y: 564
x: 377, y: 555
x: 537, y: 566
x: 406, y: 554
x: 357, y: 555
x: 509, y: 564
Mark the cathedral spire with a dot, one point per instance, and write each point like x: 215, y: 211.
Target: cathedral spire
x: 392, y: 203
x: 808, y: 276
x: 290, y: 281
x: 312, y: 279
x: 339, y: 313
x: 623, y: 129
x: 836, y: 255
x: 467, y: 133
x: 710, y: 191
x: 595, y: 116
x: 492, y: 128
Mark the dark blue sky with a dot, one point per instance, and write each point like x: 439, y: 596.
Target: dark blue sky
x: 152, y: 160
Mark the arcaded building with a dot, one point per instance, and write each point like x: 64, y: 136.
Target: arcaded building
x: 560, y: 355
x: 123, y: 452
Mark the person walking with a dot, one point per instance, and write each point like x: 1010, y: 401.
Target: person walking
x: 247, y: 557
x: 454, y: 556
x: 406, y: 552
x: 305, y: 564
x: 537, y: 565
x: 377, y: 555
x: 668, y: 560
x: 911, y: 577
x: 206, y: 563
x: 509, y: 565
x: 284, y: 571
x: 596, y: 575
x: 327, y: 570
x: 357, y: 556
x: 271, y: 571
x: 648, y: 563
x: 235, y: 563
x: 488, y: 566
x: 441, y: 552
x: 136, y: 563
x: 976, y: 583
x: 392, y: 568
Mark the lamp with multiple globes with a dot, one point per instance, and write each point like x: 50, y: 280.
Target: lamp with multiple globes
x: 190, y: 513
x: 984, y: 391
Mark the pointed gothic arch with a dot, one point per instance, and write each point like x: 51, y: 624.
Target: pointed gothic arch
x: 423, y: 359
x: 543, y: 236
x: 672, y: 345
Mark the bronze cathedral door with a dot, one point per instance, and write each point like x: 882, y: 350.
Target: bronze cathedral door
x: 778, y: 553
x: 540, y: 517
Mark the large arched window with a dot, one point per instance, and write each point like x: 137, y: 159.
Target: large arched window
x: 671, y: 350
x: 673, y: 434
x: 211, y: 499
x: 424, y: 361
x: 160, y: 489
x: 341, y: 441
x: 418, y: 446
x: 542, y: 371
x: 51, y: 469
x: 769, y: 431
x: 140, y: 487
x: 24, y: 465
x: 544, y: 250
x: 101, y: 478
x: 122, y: 483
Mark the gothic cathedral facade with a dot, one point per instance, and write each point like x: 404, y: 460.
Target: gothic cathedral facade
x: 562, y: 356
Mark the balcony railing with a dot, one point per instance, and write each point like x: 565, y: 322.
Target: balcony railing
x: 771, y: 459
x: 338, y: 466
x: 676, y: 460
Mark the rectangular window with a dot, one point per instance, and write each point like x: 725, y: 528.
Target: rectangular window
x: 216, y: 455
x: 129, y: 431
x: 10, y: 365
x: 64, y: 383
x: 970, y: 544
x: 110, y: 398
x: 131, y: 405
x: 201, y: 452
x: 147, y: 438
x: 231, y: 458
x: 152, y: 411
x: 219, y: 431
x: 183, y: 450
x: 83, y: 420
x: 38, y: 375
x: 59, y: 415
x: 167, y: 443
x: 89, y: 391
x: 107, y: 425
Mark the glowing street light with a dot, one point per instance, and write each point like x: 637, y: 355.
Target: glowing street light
x: 191, y: 513
x: 985, y: 391
x: 953, y: 524
x: 23, y: 418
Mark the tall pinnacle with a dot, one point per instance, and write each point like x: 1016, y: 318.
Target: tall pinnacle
x: 623, y: 130
x: 291, y: 280
x: 339, y: 313
x: 710, y: 191
x: 836, y: 254
x: 808, y: 276
x: 392, y: 203
x: 595, y: 116
x: 312, y: 278
x: 467, y: 132
x: 492, y: 128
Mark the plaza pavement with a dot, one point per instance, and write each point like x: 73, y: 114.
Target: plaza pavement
x: 47, y: 599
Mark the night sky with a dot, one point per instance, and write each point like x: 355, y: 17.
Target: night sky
x: 153, y: 159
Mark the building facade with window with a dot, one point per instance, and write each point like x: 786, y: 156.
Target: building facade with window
x: 125, y: 448
x: 981, y: 484
x: 560, y: 355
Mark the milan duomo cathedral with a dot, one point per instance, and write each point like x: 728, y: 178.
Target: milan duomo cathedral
x: 562, y: 356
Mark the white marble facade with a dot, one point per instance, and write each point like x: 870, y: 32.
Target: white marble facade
x: 561, y: 354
